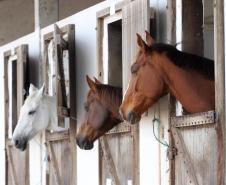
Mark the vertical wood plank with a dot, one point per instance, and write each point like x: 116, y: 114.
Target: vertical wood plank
x: 54, y: 165
x: 6, y: 112
x: 219, y: 57
x: 22, y: 62
x: 192, y: 30
x: 135, y: 19
x: 72, y: 94
x: 171, y: 38
x: 12, y: 165
x: 109, y: 160
x: 60, y: 80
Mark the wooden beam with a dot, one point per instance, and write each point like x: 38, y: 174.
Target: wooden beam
x: 46, y: 13
x: 53, y: 163
x: 196, y: 119
x: 11, y: 164
x: 109, y: 160
x: 171, y: 38
x: 171, y: 21
x: 192, y: 31
x: 219, y: 57
x: 72, y: 94
x: 182, y: 150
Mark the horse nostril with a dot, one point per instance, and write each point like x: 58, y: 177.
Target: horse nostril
x: 16, y: 142
x: 130, y: 116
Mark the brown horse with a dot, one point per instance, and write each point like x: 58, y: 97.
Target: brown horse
x: 160, y: 69
x: 102, y: 113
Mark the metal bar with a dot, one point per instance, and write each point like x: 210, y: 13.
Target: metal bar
x: 194, y: 119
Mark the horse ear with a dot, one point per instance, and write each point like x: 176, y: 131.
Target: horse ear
x: 91, y: 83
x: 32, y: 89
x: 149, y: 39
x: 42, y: 90
x: 141, y: 43
x: 97, y: 81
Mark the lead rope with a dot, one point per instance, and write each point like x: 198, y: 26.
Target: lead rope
x: 164, y: 143
x: 171, y: 150
x: 157, y: 120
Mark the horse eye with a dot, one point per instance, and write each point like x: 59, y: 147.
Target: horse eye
x: 134, y: 68
x: 31, y: 112
x: 86, y: 107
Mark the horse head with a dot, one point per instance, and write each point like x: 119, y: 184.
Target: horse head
x: 34, y: 117
x: 101, y: 113
x: 146, y: 84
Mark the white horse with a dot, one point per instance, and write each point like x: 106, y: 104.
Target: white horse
x: 37, y: 114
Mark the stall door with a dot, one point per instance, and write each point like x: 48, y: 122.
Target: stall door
x: 59, y: 58
x: 195, y: 140
x: 15, y: 86
x: 119, y: 148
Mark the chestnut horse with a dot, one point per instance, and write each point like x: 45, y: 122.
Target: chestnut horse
x: 101, y: 113
x: 160, y: 69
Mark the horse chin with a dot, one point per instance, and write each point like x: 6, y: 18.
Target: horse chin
x: 22, y: 147
x: 133, y: 118
x: 86, y: 146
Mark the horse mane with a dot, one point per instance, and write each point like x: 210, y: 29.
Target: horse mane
x: 110, y: 94
x: 186, y: 60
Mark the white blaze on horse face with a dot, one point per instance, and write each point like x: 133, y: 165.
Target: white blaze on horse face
x: 34, y: 115
x: 126, y: 90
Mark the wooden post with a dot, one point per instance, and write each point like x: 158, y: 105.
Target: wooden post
x: 171, y: 38
x: 72, y: 91
x: 192, y: 31
x: 219, y: 57
x: 171, y: 21
x: 46, y: 12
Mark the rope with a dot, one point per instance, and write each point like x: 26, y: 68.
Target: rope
x: 164, y: 143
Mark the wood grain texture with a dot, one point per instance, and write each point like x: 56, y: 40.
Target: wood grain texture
x: 219, y: 57
x: 62, y: 144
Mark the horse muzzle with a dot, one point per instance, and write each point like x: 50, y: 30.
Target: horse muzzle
x: 21, y: 144
x: 84, y: 143
x: 133, y: 118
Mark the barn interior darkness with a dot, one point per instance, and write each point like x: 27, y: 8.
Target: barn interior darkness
x: 115, y: 53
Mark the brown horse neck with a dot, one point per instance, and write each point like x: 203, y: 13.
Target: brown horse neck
x: 192, y: 89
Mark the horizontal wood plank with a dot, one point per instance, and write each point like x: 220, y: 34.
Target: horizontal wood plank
x: 194, y: 119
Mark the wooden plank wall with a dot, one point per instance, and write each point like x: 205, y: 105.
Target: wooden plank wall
x: 199, y: 141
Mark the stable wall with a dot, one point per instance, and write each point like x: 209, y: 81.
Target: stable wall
x: 152, y: 155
